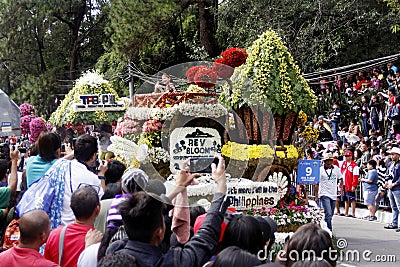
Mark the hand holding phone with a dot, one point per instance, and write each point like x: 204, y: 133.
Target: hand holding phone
x: 202, y: 164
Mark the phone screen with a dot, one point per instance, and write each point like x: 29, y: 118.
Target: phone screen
x: 202, y: 165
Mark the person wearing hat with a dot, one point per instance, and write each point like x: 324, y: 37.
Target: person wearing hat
x: 327, y: 188
x: 142, y: 216
x: 393, y: 184
x: 350, y: 172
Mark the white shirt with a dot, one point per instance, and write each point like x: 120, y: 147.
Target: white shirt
x: 88, y: 257
x: 80, y: 176
x: 328, y: 182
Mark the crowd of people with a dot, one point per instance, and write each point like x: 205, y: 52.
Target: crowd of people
x: 106, y: 215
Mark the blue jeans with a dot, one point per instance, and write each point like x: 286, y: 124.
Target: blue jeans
x: 394, y: 197
x: 365, y: 126
x: 335, y: 128
x: 328, y: 205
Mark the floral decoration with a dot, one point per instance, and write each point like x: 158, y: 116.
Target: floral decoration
x: 127, y: 126
x: 290, y: 215
x: 222, y: 69
x: 36, y: 126
x: 301, y: 119
x: 310, y: 134
x: 234, y: 57
x: 205, y: 77
x: 151, y: 125
x: 26, y: 109
x: 25, y: 120
x: 187, y: 109
x: 192, y: 71
x: 129, y: 152
x: 89, y: 83
x: 245, y: 152
x: 195, y: 89
x: 269, y: 79
x: 157, y: 155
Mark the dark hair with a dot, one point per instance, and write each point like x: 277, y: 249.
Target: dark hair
x: 141, y: 214
x: 85, y: 147
x: 195, y: 211
x: 84, y: 201
x: 312, y: 263
x: 112, y: 189
x: 32, y: 224
x: 244, y: 232
x: 3, y: 168
x: 310, y: 237
x: 47, y: 145
x: 119, y: 259
x: 235, y: 257
x: 265, y: 228
x: 115, y: 171
x: 372, y: 162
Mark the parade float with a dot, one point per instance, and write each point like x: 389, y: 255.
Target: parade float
x: 91, y: 102
x: 244, y: 106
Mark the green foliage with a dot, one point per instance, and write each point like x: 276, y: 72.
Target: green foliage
x: 319, y: 34
x: 270, y: 79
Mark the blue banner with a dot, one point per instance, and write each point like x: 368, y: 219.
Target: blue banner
x: 308, y: 171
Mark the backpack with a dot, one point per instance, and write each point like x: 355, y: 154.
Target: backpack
x: 11, y: 235
x: 38, y: 196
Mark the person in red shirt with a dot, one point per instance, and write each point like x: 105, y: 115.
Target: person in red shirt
x: 350, y: 171
x: 34, y: 227
x: 86, y: 206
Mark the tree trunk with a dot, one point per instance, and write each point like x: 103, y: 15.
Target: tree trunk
x: 207, y: 11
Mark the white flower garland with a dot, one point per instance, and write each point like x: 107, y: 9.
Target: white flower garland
x: 187, y: 109
x: 157, y: 154
x: 91, y: 78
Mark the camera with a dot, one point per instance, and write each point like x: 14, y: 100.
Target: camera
x: 22, y: 150
x: 202, y: 164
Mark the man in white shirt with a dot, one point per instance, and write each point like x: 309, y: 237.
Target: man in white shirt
x: 327, y: 188
x: 85, y: 152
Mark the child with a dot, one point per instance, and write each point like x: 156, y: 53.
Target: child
x: 370, y: 186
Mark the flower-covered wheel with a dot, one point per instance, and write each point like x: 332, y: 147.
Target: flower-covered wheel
x: 279, y: 175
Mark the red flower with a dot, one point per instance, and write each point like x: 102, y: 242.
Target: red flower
x: 222, y: 69
x: 205, y: 77
x: 192, y: 71
x: 234, y: 57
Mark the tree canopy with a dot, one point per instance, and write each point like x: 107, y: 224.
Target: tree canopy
x: 46, y: 44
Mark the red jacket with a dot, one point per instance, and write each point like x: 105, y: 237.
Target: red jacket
x: 350, y: 173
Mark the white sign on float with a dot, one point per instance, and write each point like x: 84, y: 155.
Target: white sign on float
x: 105, y: 102
x: 246, y: 195
x: 192, y: 142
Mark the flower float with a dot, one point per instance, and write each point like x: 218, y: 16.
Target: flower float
x: 36, y: 126
x: 26, y: 109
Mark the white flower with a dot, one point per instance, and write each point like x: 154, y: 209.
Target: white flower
x: 127, y: 149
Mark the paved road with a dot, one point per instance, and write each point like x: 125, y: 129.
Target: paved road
x: 379, y: 246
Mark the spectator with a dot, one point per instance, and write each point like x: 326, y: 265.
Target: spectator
x: 34, y: 227
x: 104, y: 142
x: 114, y: 171
x: 365, y: 114
x: 79, y: 175
x: 393, y: 184
x: 235, y: 257
x: 327, y: 189
x: 8, y: 191
x: 85, y: 206
x: 120, y: 259
x: 335, y: 115
x: 142, y: 215
x: 309, y: 237
x: 370, y: 186
x: 49, y: 148
x: 350, y: 172
x: 244, y: 232
x: 375, y: 112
